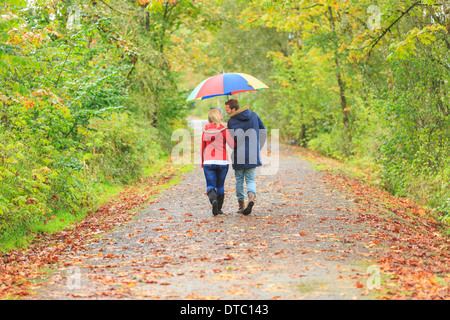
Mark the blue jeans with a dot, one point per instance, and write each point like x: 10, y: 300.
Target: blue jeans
x: 249, y: 176
x: 215, y: 175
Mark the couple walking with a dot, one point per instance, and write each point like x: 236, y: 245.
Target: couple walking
x: 245, y: 134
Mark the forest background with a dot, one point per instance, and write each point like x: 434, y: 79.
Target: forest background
x: 91, y: 90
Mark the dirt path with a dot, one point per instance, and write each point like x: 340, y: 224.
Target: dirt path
x: 297, y: 244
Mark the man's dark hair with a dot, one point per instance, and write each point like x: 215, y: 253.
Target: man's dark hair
x: 233, y: 104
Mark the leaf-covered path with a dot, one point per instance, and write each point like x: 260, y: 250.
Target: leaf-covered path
x: 298, y: 243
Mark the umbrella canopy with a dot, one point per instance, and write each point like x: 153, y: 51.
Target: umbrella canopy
x: 226, y: 84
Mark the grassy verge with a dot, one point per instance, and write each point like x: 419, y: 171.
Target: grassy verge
x: 362, y: 169
x: 103, y: 192
x: 411, y: 247
x: 368, y: 174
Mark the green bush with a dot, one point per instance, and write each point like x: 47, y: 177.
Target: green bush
x: 37, y: 180
x: 119, y: 148
x: 329, y: 144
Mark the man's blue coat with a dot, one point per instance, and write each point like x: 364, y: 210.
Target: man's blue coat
x: 249, y: 135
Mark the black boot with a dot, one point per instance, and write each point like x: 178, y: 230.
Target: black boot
x: 251, y: 203
x: 241, y: 206
x: 220, y: 198
x: 212, y: 195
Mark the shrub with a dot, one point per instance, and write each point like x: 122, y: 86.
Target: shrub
x: 119, y: 148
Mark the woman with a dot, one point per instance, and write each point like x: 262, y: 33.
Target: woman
x: 215, y: 163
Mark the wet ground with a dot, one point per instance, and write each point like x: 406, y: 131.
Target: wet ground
x: 296, y: 244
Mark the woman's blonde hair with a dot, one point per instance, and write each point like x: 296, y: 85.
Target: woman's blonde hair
x: 214, y: 116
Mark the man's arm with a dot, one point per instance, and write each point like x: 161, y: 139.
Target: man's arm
x: 262, y: 133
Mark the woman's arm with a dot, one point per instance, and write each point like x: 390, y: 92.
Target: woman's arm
x: 229, y: 139
x: 203, y: 147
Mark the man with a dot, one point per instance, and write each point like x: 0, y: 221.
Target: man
x: 249, y: 134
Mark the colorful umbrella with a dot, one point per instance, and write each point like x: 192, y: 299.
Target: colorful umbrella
x: 226, y: 84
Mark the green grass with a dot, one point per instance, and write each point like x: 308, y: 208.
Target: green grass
x: 23, y: 235
x: 352, y: 169
x: 309, y: 286
x: 367, y: 171
x: 104, y: 192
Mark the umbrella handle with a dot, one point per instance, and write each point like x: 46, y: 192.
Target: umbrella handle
x: 227, y: 95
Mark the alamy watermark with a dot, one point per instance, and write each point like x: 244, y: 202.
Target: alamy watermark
x: 374, y: 280
x: 74, y: 18
x: 246, y: 147
x: 73, y: 281
x: 374, y: 21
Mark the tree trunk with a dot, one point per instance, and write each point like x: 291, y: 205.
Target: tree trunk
x: 344, y: 106
x: 341, y: 83
x: 147, y: 21
x: 302, y: 138
x: 446, y: 4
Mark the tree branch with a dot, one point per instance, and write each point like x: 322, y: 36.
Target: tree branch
x: 114, y: 9
x: 62, y: 68
x: 310, y: 7
x: 388, y: 29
